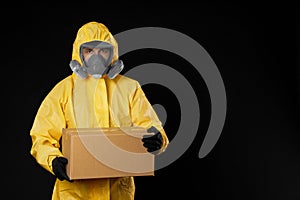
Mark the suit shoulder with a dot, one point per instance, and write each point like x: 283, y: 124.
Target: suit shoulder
x: 127, y: 80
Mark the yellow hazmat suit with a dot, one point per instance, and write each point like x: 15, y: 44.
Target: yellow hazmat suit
x: 90, y: 103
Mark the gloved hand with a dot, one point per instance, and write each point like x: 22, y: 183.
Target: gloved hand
x: 59, y: 168
x: 152, y: 142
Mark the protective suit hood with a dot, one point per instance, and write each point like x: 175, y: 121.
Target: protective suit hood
x: 93, y: 31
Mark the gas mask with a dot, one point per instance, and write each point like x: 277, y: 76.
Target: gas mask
x: 96, y: 65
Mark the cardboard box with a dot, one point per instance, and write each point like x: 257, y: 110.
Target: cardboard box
x: 106, y: 152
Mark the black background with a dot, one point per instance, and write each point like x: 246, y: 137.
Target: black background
x: 256, y: 50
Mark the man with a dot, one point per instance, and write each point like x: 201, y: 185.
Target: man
x: 94, y: 95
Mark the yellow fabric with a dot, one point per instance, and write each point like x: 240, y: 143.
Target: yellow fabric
x: 76, y: 102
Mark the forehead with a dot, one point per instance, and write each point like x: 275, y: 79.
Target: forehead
x: 96, y: 48
x: 97, y: 45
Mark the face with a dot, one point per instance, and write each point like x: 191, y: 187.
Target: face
x: 88, y: 52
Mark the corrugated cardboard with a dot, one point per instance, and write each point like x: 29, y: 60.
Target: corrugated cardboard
x: 106, y: 152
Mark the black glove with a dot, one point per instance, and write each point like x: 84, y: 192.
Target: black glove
x: 59, y: 168
x: 153, y: 142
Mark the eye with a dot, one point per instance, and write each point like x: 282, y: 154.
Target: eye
x: 87, y: 51
x: 90, y: 51
x: 106, y: 51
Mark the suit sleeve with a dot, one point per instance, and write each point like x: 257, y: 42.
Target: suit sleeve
x: 47, y: 129
x: 144, y: 115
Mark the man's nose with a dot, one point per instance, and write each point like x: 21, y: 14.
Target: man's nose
x: 97, y: 51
